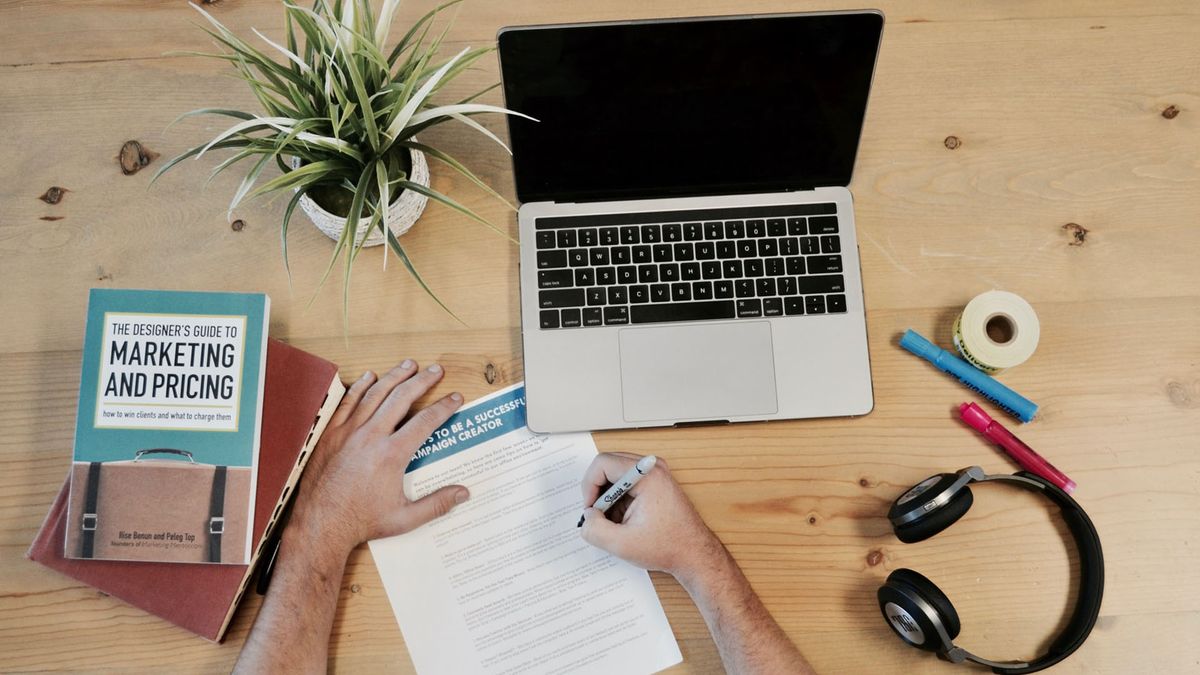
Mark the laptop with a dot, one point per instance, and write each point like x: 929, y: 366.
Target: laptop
x: 688, y: 250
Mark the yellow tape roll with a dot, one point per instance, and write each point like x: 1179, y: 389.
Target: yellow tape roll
x: 996, y: 330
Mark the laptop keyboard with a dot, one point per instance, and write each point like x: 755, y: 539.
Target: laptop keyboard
x: 732, y: 263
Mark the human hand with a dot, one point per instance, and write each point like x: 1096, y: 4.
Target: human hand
x: 353, y: 489
x: 655, y: 526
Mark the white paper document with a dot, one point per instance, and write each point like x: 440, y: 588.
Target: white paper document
x: 504, y: 584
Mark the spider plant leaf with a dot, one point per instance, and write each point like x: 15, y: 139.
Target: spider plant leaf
x: 304, y: 68
x: 283, y: 233
x: 235, y: 143
x: 442, y: 198
x: 481, y: 129
x: 460, y: 108
x: 394, y: 244
x: 383, y: 26
x: 211, y: 111
x: 457, y: 166
x: 409, y: 110
x: 247, y: 183
x: 420, y: 24
x: 368, y: 114
x: 296, y: 176
x: 247, y: 125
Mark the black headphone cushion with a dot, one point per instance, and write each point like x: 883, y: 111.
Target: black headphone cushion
x: 929, y: 592
x: 936, y: 520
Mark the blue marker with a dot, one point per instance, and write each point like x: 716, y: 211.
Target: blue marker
x: 972, y: 378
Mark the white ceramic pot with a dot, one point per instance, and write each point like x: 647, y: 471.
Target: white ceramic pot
x: 401, y: 215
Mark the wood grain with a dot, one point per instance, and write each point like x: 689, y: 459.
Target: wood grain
x: 1056, y: 110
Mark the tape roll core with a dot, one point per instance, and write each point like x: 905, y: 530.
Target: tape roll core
x: 1000, y: 328
x: 996, y: 330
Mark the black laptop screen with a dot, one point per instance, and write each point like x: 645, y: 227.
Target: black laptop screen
x: 693, y: 107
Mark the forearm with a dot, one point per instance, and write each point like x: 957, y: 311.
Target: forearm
x: 748, y: 639
x: 291, y: 633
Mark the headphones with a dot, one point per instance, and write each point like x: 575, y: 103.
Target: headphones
x: 921, y: 614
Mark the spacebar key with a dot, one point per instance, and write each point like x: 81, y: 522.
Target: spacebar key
x: 683, y: 311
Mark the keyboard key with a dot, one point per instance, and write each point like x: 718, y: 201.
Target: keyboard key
x: 639, y: 294
x: 747, y: 248
x: 651, y: 234
x: 620, y: 255
x: 578, y: 257
x: 714, y: 230
x: 549, y: 318
x: 668, y: 272
x: 589, y: 237
x: 647, y: 274
x: 706, y: 250
x: 796, y: 227
x: 606, y: 276
x: 795, y: 265
x: 827, y: 283
x: 808, y: 245
x: 822, y: 225
x: 744, y: 288
x: 768, y: 248
x: 702, y: 290
x: 732, y: 269
x: 710, y: 269
x: 820, y: 264
x: 566, y: 239
x: 549, y: 259
x: 787, y: 285
x: 689, y: 271
x: 692, y: 232
x: 789, y: 246
x: 618, y: 295
x: 831, y: 243
x: 629, y: 235
x: 660, y: 293
x: 627, y: 274
x: 836, y: 304
x: 616, y: 316
x: 684, y: 311
x: 545, y: 239
x: 772, y: 307
x: 585, y: 277
x: 774, y: 267
x: 723, y: 288
x: 643, y: 254
x: 555, y: 278
x: 571, y: 319
x: 684, y: 252
x: 593, y: 316
x: 754, y: 267
x: 765, y: 288
x: 756, y: 228
x: 563, y: 297
x: 793, y: 306
x: 598, y: 256
x: 672, y: 233
x: 726, y: 249
x: 776, y: 227
x: 735, y: 229
x: 609, y: 236
x: 681, y: 292
x: 596, y: 296
x: 814, y: 304
x: 662, y: 253
x: 750, y: 307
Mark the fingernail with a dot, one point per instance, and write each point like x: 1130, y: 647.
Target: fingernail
x: 456, y: 397
x: 407, y: 363
x: 435, y: 368
x: 461, y: 496
x: 366, y: 376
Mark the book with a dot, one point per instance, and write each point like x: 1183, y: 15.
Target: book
x: 300, y: 395
x: 168, y: 425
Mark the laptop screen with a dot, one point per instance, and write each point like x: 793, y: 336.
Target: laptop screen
x: 687, y: 107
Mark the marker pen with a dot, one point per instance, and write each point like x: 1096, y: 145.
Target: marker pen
x: 624, y: 484
x: 1024, y: 455
x: 1013, y: 403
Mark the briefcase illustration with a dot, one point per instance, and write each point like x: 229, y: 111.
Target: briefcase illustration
x: 162, y: 505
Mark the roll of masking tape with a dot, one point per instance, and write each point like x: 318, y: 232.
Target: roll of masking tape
x: 996, y: 330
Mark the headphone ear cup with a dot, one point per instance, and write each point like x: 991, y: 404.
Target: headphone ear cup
x: 929, y: 592
x: 936, y: 520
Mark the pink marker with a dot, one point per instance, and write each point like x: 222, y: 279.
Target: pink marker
x: 1024, y: 455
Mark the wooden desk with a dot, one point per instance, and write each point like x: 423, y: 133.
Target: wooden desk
x: 1051, y: 149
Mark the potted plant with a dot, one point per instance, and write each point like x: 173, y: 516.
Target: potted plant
x: 341, y: 114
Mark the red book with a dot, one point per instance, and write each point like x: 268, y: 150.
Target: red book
x: 300, y: 395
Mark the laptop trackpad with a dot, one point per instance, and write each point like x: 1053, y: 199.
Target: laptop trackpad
x: 710, y: 372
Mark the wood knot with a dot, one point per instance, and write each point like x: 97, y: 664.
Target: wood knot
x: 489, y: 373
x: 1181, y: 395
x: 874, y: 557
x: 238, y: 225
x: 354, y: 588
x: 1077, y: 232
x: 863, y: 482
x: 952, y: 142
x: 54, y: 195
x: 1170, y: 112
x: 1097, y: 27
x: 101, y: 275
x: 51, y: 218
x: 812, y: 520
x: 134, y: 157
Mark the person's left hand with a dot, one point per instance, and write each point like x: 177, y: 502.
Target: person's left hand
x: 353, y: 488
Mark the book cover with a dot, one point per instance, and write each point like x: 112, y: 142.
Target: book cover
x: 301, y: 393
x: 167, y: 429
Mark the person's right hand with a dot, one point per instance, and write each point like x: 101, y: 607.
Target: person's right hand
x: 658, y: 528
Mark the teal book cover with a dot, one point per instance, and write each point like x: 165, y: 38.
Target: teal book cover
x: 167, y: 429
